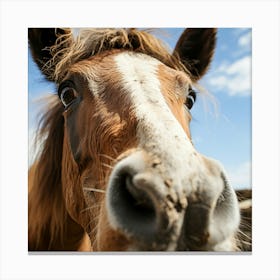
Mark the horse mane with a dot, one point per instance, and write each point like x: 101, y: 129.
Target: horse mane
x: 47, y: 214
x: 47, y: 205
x: 90, y: 42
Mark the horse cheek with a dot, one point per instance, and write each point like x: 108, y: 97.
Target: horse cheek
x: 109, y: 239
x: 71, y: 186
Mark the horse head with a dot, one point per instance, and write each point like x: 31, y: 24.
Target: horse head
x: 128, y: 171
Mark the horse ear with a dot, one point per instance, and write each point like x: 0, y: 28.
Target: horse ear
x: 195, y: 49
x: 41, y: 40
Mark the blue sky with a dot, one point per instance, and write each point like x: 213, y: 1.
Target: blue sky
x: 221, y: 126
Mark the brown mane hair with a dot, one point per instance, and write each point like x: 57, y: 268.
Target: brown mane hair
x: 50, y: 220
x: 91, y: 42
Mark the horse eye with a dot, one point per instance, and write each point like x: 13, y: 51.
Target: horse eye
x: 67, y: 95
x: 190, y: 98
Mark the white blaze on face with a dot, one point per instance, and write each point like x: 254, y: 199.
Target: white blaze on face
x: 162, y: 138
x: 159, y: 132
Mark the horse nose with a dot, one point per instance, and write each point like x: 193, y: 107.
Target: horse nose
x: 134, y: 203
x: 140, y: 205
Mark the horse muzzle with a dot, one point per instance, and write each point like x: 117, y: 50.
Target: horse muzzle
x: 157, y: 212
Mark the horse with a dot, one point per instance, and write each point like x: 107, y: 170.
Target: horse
x: 117, y: 170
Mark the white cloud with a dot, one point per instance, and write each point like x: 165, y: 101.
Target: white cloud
x: 240, y: 176
x: 245, y: 40
x: 233, y: 78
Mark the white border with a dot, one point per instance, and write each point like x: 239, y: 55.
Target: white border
x: 262, y: 16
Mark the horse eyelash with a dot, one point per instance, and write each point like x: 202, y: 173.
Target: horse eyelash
x: 190, y: 96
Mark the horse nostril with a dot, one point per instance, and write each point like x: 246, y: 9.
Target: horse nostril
x: 138, y: 197
x: 131, y: 208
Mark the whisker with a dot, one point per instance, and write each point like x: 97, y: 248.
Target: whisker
x: 107, y: 165
x: 92, y: 220
x: 95, y: 182
x: 108, y: 157
x: 90, y: 207
x: 93, y: 190
x: 94, y: 231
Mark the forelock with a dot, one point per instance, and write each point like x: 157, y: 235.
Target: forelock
x: 91, y: 42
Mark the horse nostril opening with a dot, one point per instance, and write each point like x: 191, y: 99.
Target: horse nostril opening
x: 133, y: 209
x: 138, y: 198
x: 195, y: 230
